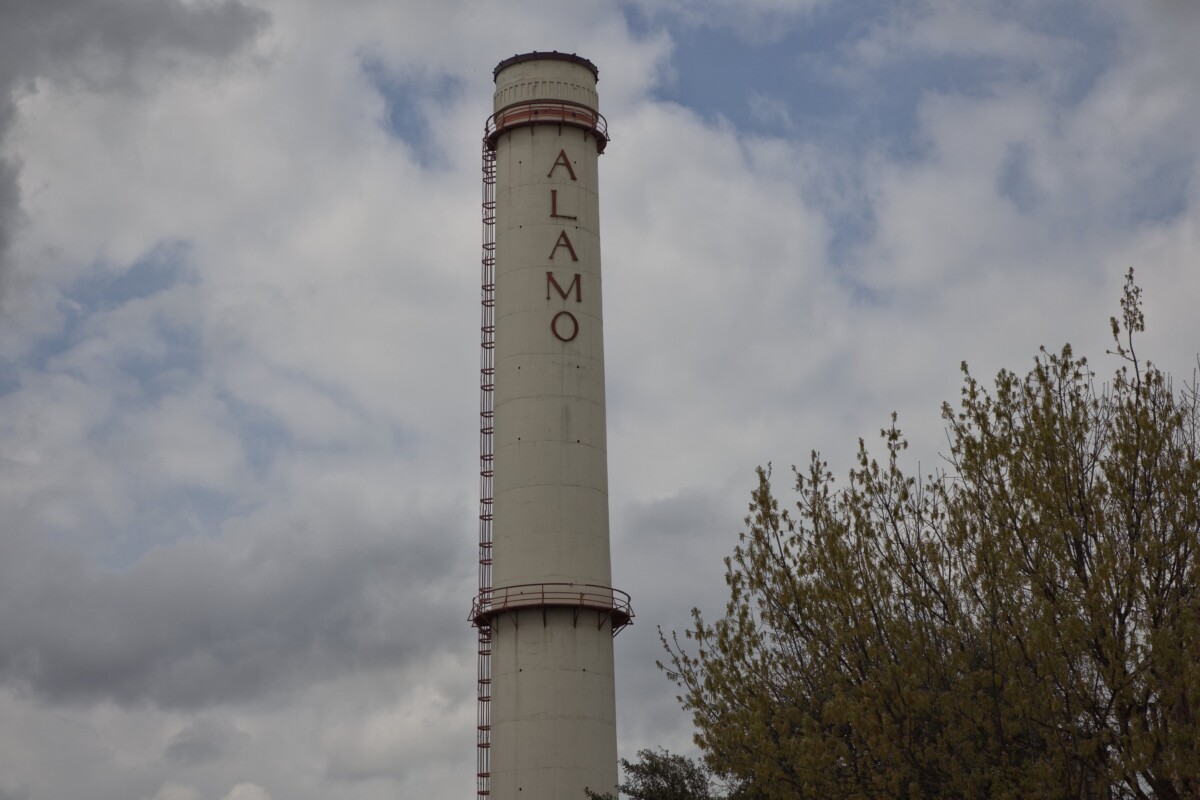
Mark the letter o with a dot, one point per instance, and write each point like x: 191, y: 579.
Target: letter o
x: 574, y: 326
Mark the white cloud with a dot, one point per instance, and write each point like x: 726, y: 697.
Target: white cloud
x: 771, y: 111
x: 935, y: 27
x: 176, y: 791
x: 385, y: 741
x: 237, y: 435
x: 756, y: 21
x: 247, y: 791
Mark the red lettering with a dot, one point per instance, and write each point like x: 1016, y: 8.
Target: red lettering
x: 563, y: 241
x: 574, y: 326
x: 575, y: 284
x: 561, y: 161
x: 554, y: 207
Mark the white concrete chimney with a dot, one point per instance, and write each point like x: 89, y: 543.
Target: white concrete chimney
x: 547, y: 611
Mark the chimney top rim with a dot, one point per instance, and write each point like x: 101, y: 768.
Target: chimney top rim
x: 538, y: 55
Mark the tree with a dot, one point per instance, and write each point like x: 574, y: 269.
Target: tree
x: 660, y: 775
x: 1024, y: 623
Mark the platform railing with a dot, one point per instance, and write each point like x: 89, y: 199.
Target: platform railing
x: 547, y: 112
x: 610, y: 603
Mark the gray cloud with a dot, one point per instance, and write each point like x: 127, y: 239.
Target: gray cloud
x: 104, y: 45
x: 10, y: 196
x: 12, y: 791
x: 172, y: 790
x: 238, y: 618
x: 203, y: 741
x: 236, y: 537
x: 107, y: 43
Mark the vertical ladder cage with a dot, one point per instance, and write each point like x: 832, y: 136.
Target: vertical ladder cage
x: 487, y: 412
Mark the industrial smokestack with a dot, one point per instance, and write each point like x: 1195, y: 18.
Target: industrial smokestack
x: 546, y: 610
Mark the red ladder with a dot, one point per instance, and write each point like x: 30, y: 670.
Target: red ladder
x: 487, y: 413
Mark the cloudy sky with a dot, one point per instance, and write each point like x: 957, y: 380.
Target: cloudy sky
x: 239, y: 245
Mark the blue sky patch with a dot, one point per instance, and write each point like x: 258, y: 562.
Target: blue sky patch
x: 795, y: 86
x: 409, y: 100
x: 1015, y: 181
x: 263, y: 436
x: 104, y: 289
x: 1161, y: 194
x: 10, y: 379
x: 168, y: 516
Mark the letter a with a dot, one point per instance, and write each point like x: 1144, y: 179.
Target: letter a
x: 561, y: 161
x: 563, y: 241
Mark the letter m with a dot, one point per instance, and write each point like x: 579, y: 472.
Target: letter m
x: 563, y: 293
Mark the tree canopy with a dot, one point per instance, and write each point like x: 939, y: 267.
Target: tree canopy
x: 661, y: 775
x: 1024, y: 622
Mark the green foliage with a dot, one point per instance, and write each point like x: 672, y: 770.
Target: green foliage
x: 660, y: 775
x: 1024, y: 624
